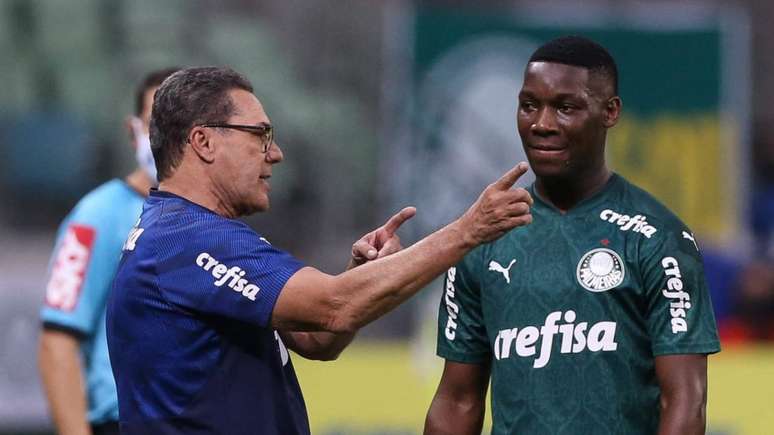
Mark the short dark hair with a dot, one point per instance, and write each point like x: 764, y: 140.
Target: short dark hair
x: 579, y: 51
x: 189, y: 97
x: 150, y: 81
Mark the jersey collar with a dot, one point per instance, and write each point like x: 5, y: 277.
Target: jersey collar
x: 589, y: 203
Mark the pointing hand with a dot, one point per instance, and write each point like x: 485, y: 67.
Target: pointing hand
x: 498, y: 209
x: 382, y: 241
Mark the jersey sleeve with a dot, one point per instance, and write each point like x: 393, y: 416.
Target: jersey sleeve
x: 233, y: 273
x: 461, y: 332
x: 81, y: 270
x: 680, y: 318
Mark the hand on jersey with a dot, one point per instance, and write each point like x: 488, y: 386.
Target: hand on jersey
x: 498, y: 209
x: 382, y: 241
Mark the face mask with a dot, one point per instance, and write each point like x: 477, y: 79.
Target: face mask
x: 143, y: 149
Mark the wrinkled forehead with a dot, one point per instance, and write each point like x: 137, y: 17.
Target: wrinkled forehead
x: 247, y: 108
x: 549, y: 78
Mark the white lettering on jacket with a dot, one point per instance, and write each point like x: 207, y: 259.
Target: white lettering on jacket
x: 233, y: 277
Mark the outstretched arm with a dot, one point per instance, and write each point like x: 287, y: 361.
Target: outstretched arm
x: 683, y: 382
x: 459, y: 404
x: 381, y: 242
x: 314, y: 301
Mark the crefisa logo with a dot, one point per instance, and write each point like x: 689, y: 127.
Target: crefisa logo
x: 572, y: 338
x: 600, y: 270
x: 222, y: 274
x: 451, y: 307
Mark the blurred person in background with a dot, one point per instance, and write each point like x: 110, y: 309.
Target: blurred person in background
x: 203, y: 307
x: 752, y: 302
x: 73, y: 356
x: 749, y: 316
x: 762, y: 201
x: 594, y: 319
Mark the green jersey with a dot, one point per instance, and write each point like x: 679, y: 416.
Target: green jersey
x: 572, y: 309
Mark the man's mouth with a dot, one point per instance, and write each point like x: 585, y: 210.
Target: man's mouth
x: 547, y: 152
x: 546, y: 147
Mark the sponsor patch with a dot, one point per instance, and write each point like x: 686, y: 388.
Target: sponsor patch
x: 233, y: 277
x: 538, y: 341
x: 69, y: 269
x: 677, y: 295
x: 637, y: 223
x: 451, y: 306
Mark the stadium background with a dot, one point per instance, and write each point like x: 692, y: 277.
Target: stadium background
x: 381, y: 104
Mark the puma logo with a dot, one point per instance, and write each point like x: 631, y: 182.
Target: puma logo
x: 689, y: 236
x: 506, y: 271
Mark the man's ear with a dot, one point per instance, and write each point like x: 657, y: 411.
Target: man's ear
x: 612, y: 111
x: 202, y: 144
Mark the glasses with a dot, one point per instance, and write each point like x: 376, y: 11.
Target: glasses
x: 264, y: 131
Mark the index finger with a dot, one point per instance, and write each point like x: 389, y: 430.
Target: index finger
x: 509, y: 178
x: 397, y: 220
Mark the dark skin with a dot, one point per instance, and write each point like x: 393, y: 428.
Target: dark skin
x: 459, y: 404
x: 563, y: 117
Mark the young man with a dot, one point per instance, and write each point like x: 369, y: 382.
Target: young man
x: 595, y: 318
x: 83, y: 264
x: 202, y: 306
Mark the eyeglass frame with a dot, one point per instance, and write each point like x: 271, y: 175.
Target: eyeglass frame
x: 264, y: 129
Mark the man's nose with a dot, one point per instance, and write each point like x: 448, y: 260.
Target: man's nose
x: 274, y: 153
x: 545, y: 123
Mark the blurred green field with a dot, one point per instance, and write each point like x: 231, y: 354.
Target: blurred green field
x: 385, y: 389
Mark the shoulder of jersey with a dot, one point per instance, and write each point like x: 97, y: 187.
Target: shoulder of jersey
x: 640, y: 212
x: 105, y: 200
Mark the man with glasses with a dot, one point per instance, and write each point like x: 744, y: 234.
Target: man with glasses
x: 73, y: 357
x: 203, y: 307
x: 263, y: 131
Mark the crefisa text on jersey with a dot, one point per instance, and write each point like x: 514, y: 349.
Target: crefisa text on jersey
x: 451, y: 307
x: 680, y: 299
x: 223, y: 273
x: 575, y: 339
x: 637, y: 223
